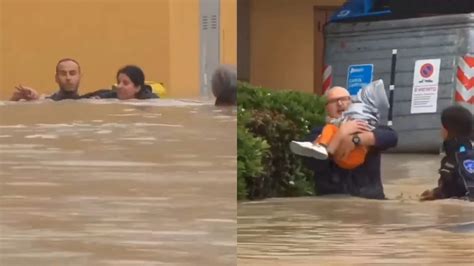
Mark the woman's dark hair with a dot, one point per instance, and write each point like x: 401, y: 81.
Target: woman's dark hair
x: 458, y: 121
x: 134, y: 73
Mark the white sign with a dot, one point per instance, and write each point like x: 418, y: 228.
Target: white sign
x: 424, y: 97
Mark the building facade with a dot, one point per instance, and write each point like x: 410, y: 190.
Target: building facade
x: 167, y: 38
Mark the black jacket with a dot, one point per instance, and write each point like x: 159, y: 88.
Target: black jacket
x: 363, y: 181
x: 450, y: 183
x: 145, y: 93
x: 62, y: 95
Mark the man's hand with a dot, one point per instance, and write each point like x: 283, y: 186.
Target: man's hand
x: 344, y: 138
x: 17, y: 95
x: 428, y: 195
x: 24, y: 93
x: 352, y: 127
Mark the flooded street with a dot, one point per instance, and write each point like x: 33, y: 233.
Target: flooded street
x: 108, y: 183
x: 340, y: 230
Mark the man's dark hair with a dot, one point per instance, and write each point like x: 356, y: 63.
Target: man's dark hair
x: 457, y: 121
x: 67, y: 59
x: 135, y: 74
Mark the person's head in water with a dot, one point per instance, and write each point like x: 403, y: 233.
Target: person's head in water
x: 130, y: 80
x: 456, y: 122
x: 224, y: 85
x: 68, y: 75
x: 338, y: 100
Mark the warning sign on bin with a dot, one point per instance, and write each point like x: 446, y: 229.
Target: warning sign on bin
x: 424, y: 97
x: 358, y: 76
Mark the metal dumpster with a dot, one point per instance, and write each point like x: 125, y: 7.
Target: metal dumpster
x: 443, y: 45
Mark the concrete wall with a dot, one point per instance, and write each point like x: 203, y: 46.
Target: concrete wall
x: 281, y: 42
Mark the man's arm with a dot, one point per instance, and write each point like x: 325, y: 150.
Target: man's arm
x: 382, y: 138
x: 341, y: 144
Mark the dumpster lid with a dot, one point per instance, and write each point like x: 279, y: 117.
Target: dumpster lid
x: 369, y: 10
x: 357, y: 9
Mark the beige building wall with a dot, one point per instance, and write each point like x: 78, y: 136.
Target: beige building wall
x: 281, y: 42
x: 228, y: 32
x: 161, y: 36
x: 102, y: 35
x: 184, y: 31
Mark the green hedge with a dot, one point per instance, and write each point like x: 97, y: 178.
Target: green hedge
x: 267, y: 121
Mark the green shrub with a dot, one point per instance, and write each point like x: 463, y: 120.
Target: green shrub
x: 276, y: 117
x: 250, y: 155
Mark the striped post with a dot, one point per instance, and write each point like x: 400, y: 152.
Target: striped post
x: 392, y: 87
x: 327, y: 78
x: 464, y: 94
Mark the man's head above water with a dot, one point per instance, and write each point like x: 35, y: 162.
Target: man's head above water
x: 68, y: 75
x: 224, y: 85
x: 338, y: 100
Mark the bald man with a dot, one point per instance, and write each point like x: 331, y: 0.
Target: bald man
x: 368, y: 103
x: 338, y: 101
x: 363, y: 181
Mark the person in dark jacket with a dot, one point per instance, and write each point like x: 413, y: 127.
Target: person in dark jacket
x: 365, y: 180
x: 457, y: 126
x: 68, y: 77
x: 130, y: 85
x: 130, y: 79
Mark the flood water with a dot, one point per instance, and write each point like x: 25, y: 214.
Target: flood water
x: 109, y: 183
x: 342, y: 230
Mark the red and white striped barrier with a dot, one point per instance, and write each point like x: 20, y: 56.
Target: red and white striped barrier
x: 465, y: 82
x: 327, y: 78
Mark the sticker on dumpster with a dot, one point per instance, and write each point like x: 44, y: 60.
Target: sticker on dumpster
x: 424, y: 97
x: 358, y: 76
x: 344, y: 13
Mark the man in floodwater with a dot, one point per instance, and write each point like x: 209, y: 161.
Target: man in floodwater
x: 224, y: 85
x: 68, y: 78
x: 365, y: 180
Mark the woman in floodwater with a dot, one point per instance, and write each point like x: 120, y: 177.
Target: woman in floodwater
x: 130, y: 85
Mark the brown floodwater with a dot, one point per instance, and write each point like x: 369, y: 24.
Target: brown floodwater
x: 342, y: 230
x: 110, y: 183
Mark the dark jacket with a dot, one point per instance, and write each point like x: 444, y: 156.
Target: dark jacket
x: 450, y: 183
x: 365, y: 180
x: 145, y: 93
x: 62, y: 95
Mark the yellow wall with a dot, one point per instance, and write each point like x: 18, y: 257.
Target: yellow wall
x: 161, y: 36
x: 281, y: 42
x: 228, y: 32
x: 185, y: 43
x: 2, y: 17
x: 184, y: 54
x: 102, y: 35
